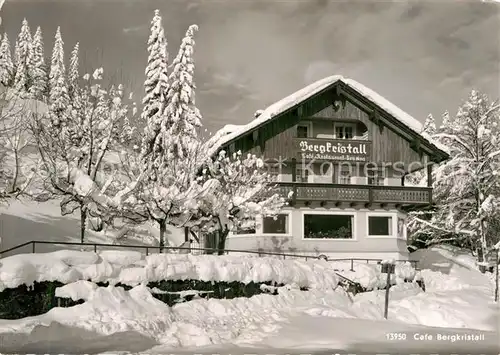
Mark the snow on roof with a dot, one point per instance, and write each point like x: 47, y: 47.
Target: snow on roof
x: 405, y: 118
x: 312, y: 89
x: 220, y: 137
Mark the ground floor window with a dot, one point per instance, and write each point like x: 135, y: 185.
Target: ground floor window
x: 275, y: 225
x: 328, y: 226
x: 379, y: 225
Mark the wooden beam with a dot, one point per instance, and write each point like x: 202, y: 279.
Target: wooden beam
x: 429, y: 175
x: 415, y: 144
x: 375, y: 118
x: 370, y: 195
x: 338, y: 98
x: 300, y: 111
x: 294, y: 196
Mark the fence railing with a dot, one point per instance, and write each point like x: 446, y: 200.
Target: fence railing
x: 156, y: 249
x: 149, y: 248
x: 414, y: 263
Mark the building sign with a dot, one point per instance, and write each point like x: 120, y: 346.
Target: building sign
x: 338, y: 150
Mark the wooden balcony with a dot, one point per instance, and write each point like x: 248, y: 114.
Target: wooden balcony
x: 405, y: 196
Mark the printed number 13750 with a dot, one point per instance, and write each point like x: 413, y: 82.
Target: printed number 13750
x: 395, y: 336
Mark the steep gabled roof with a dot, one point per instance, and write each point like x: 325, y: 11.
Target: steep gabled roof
x: 295, y: 99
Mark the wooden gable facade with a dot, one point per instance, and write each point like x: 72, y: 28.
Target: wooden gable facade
x: 391, y: 140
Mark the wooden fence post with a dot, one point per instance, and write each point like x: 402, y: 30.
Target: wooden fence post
x: 389, y: 269
x: 496, y: 274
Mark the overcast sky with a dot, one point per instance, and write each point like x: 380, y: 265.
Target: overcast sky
x: 423, y: 56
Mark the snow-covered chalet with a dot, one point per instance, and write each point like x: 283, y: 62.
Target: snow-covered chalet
x: 344, y: 152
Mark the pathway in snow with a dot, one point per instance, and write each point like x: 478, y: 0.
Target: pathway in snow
x: 359, y: 335
x: 300, y: 335
x: 60, y: 339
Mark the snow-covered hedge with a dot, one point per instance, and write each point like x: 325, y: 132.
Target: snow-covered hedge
x: 133, y: 268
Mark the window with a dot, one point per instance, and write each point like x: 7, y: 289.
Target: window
x: 379, y: 226
x: 344, y: 132
x: 375, y: 177
x: 248, y: 227
x: 345, y: 175
x: 303, y: 131
x: 275, y: 225
x: 302, y: 175
x: 328, y: 226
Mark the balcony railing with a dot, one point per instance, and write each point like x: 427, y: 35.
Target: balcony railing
x: 403, y: 195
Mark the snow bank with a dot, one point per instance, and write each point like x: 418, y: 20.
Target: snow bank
x: 444, y: 258
x: 446, y: 268
x: 121, y: 257
x: 206, y: 322
x: 404, y: 272
x: 79, y: 290
x: 133, y: 268
x: 370, y: 276
x: 200, y: 322
x: 28, y: 268
x: 367, y: 275
x: 107, y: 310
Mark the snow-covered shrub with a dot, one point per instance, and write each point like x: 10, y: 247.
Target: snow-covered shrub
x: 404, y: 272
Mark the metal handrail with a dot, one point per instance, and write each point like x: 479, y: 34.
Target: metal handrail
x: 149, y: 247
x: 352, y: 260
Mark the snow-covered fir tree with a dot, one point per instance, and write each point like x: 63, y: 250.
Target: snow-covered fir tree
x: 184, y: 118
x: 73, y: 73
x: 37, y: 68
x: 58, y: 89
x: 156, y: 87
x: 446, y: 121
x: 169, y: 191
x: 467, y: 187
x: 6, y: 64
x: 23, y: 54
x: 429, y: 125
x: 244, y: 191
x: 419, y: 177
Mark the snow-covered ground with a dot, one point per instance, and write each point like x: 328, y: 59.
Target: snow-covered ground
x: 23, y: 221
x: 456, y: 303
